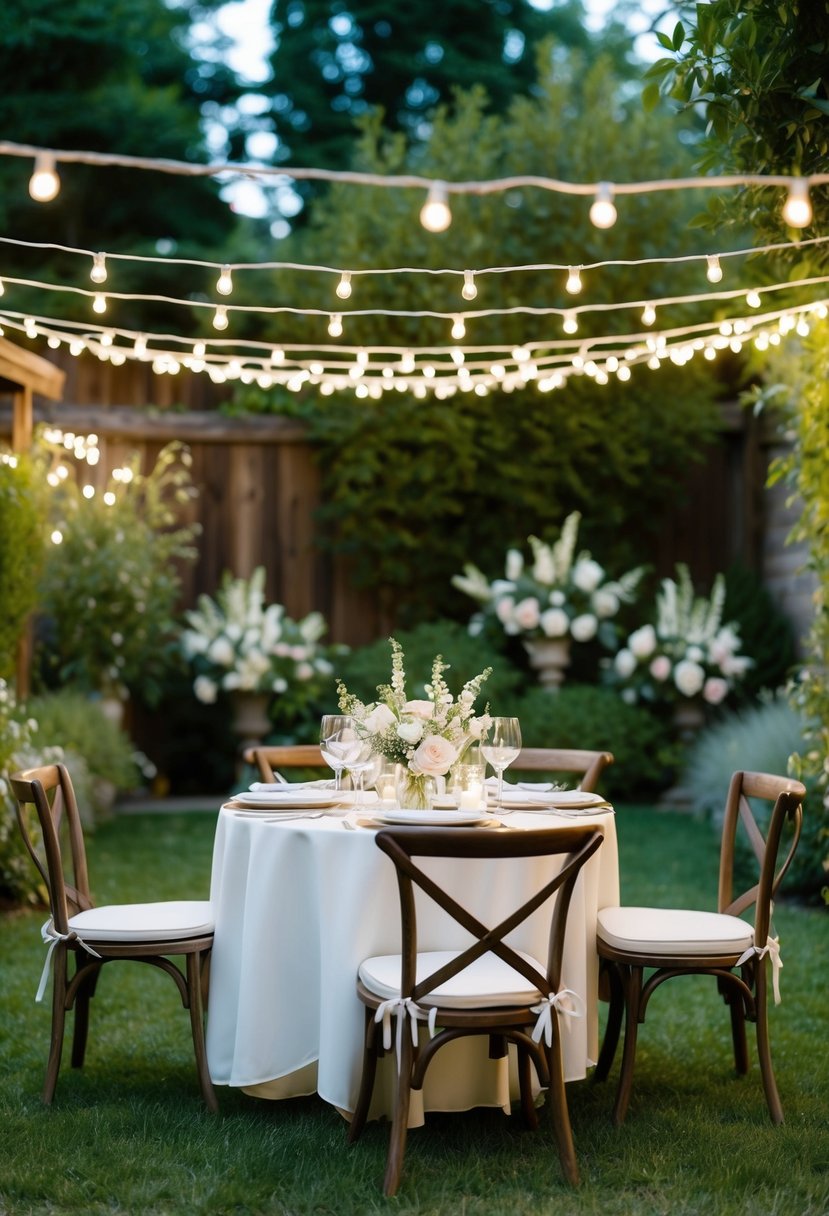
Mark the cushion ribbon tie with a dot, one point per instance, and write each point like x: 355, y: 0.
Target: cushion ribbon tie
x: 50, y: 934
x: 403, y: 1008
x: 565, y: 1002
x: 772, y: 949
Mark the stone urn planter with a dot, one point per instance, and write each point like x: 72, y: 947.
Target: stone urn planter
x: 250, y: 722
x: 549, y: 658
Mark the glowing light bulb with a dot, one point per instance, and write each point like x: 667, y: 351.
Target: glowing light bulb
x: 44, y: 183
x: 199, y: 350
x: 98, y: 273
x: 344, y: 285
x: 277, y: 355
x: 458, y: 328
x: 570, y: 325
x: 220, y: 317
x: 624, y: 372
x: 99, y: 304
x: 30, y: 327
x: 335, y: 325
x: 407, y: 362
x: 520, y: 354
x: 648, y: 314
x: 109, y: 498
x: 797, y: 209
x: 714, y: 271
x: 88, y: 491
x: 753, y: 299
x: 362, y: 358
x: 435, y: 215
x: 469, y: 290
x: 602, y: 210
x: 107, y: 337
x: 224, y: 284
x: 140, y: 348
x: 56, y: 537
x: 573, y: 283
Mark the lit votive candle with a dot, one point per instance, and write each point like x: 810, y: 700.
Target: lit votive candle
x: 470, y: 798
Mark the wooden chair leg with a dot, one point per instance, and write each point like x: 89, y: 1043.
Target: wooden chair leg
x: 738, y: 1034
x: 614, y: 1021
x: 59, y: 960
x: 560, y: 1113
x: 194, y: 966
x: 763, y: 1047
x: 633, y: 993
x: 80, y: 1029
x: 400, y: 1119
x: 360, y: 1115
x: 525, y: 1083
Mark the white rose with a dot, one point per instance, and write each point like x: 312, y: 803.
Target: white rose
x: 660, y: 667
x: 410, y: 732
x: 604, y: 603
x: 379, y: 718
x: 220, y: 651
x: 303, y: 671
x: 514, y: 565
x: 503, y: 609
x: 435, y: 756
x: 625, y: 663
x: 420, y: 709
x: 205, y: 689
x: 587, y: 574
x: 643, y: 642
x: 527, y: 613
x: 689, y: 677
x: 280, y: 684
x: 584, y: 627
x: 477, y: 726
x: 557, y: 599
x: 555, y: 622
x: 695, y: 654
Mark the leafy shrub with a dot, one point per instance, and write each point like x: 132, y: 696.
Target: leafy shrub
x: 71, y: 720
x: 19, y: 881
x: 764, y: 739
x: 21, y: 552
x: 368, y: 666
x: 586, y: 716
x: 765, y: 630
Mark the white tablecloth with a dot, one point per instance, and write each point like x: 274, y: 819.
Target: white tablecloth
x: 298, y: 905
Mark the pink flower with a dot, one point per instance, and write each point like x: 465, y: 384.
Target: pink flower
x: 435, y: 756
x: 660, y: 667
x: 715, y: 690
x: 527, y: 613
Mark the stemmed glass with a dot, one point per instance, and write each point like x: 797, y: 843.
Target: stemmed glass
x: 337, y: 743
x: 500, y: 747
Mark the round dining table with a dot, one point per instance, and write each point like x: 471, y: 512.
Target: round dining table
x: 298, y: 903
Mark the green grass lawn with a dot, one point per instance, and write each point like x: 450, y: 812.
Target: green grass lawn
x: 129, y: 1134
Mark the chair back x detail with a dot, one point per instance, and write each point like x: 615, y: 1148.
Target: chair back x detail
x: 93, y: 936
x: 486, y: 988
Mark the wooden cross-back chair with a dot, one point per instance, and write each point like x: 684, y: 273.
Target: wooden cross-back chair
x: 674, y: 942
x: 587, y: 765
x: 270, y: 760
x: 488, y: 988
x: 93, y: 936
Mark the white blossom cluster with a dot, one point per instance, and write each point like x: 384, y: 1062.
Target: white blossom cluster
x: 236, y: 642
x: 558, y: 594
x: 689, y: 652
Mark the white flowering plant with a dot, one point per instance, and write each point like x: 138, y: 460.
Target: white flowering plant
x: 558, y: 594
x: 237, y: 642
x: 427, y: 736
x: 689, y: 653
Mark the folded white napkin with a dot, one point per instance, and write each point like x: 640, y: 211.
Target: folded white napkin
x: 281, y: 786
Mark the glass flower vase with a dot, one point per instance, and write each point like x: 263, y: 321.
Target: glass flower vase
x: 415, y: 791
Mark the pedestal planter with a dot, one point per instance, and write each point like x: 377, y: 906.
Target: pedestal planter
x: 549, y: 657
x: 250, y: 721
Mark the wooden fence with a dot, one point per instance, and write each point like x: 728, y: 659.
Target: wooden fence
x: 259, y: 490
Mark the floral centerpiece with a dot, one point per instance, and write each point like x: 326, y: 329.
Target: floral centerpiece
x: 558, y: 595
x: 689, y: 653
x: 425, y: 737
x: 236, y: 643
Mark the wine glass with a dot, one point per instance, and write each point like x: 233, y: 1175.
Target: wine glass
x: 367, y: 766
x: 500, y: 747
x: 337, y: 739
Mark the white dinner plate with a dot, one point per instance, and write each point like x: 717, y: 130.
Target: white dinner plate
x: 304, y: 799
x: 429, y: 818
x: 565, y: 799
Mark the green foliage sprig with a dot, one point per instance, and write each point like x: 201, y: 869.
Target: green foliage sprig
x: 22, y: 547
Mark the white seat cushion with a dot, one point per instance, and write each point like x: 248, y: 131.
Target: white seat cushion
x: 160, y: 922
x: 673, y: 931
x: 486, y: 982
